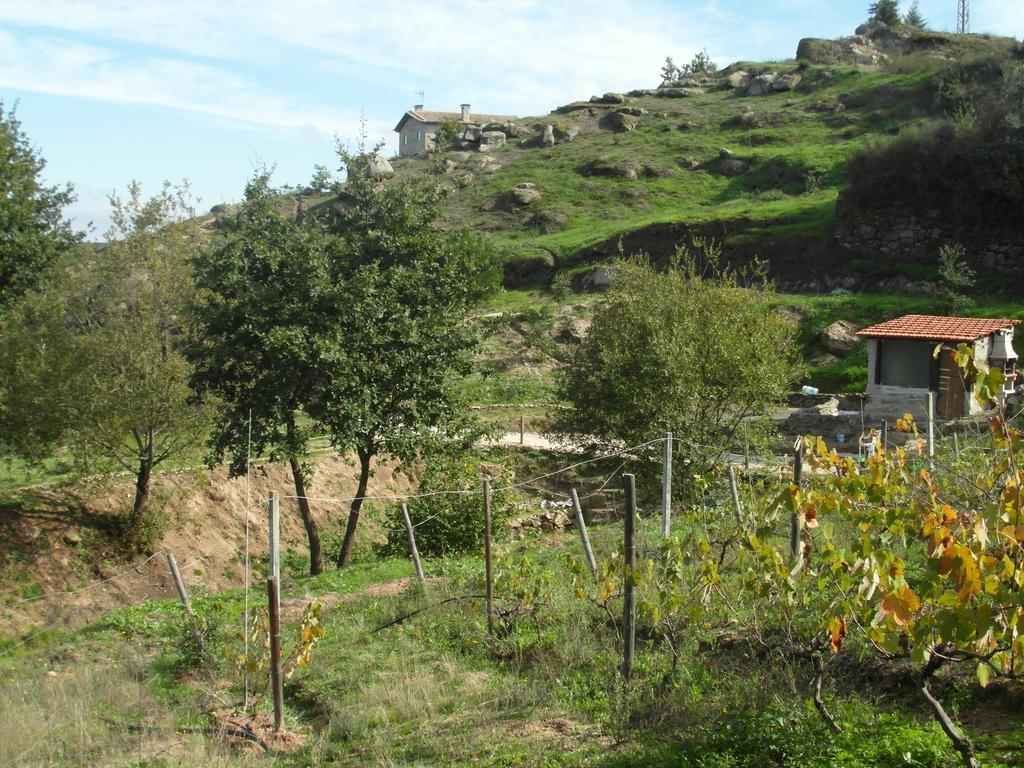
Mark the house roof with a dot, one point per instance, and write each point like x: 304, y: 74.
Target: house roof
x: 436, y: 118
x: 937, y: 328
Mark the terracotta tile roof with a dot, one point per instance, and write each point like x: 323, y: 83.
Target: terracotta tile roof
x: 937, y: 328
x: 426, y: 116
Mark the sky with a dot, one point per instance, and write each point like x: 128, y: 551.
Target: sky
x: 111, y: 91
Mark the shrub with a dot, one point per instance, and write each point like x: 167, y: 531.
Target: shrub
x: 448, y: 514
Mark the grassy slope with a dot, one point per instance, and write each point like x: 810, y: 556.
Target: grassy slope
x: 432, y: 692
x: 796, y: 131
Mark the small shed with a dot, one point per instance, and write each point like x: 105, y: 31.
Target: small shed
x: 903, y: 367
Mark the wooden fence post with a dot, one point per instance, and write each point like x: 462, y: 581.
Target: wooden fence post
x: 885, y: 433
x: 666, y: 486
x: 179, y: 585
x: 629, y: 565
x: 412, y: 544
x: 274, y: 609
x: 488, y: 566
x: 581, y: 526
x: 931, y: 429
x: 734, y: 490
x: 522, y: 429
x: 796, y: 550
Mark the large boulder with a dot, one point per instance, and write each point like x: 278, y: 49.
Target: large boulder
x: 548, y: 138
x: 535, y: 267
x: 597, y: 279
x: 678, y: 93
x: 761, y: 84
x: 740, y: 79
x: 840, y: 338
x: 619, y: 122
x: 729, y: 166
x: 522, y: 195
x: 609, y: 98
x: 846, y: 50
x: 786, y: 82
x: 378, y: 167
x: 491, y: 140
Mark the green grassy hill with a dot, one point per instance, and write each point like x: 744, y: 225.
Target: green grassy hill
x: 760, y: 175
x: 665, y: 179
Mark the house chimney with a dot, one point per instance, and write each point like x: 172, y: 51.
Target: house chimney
x: 417, y: 108
x: 465, y: 112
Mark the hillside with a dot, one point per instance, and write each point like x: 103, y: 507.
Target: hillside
x: 756, y: 158
x: 760, y: 173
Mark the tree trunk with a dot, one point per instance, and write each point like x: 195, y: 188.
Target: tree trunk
x: 357, y: 503
x: 316, y: 566
x: 135, y: 531
x: 960, y: 741
x: 143, y: 484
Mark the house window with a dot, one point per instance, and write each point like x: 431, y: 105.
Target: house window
x: 419, y: 136
x: 407, y: 139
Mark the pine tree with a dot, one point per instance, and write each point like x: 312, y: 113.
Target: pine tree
x: 914, y: 17
x: 885, y: 11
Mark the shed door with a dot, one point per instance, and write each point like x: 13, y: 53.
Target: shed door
x: 952, y: 387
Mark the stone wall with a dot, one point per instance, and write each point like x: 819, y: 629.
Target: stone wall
x: 902, y: 237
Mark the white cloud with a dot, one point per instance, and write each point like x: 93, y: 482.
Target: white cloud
x: 528, y: 52
x: 64, y: 68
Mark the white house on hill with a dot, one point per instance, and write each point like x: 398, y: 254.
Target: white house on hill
x: 416, y: 128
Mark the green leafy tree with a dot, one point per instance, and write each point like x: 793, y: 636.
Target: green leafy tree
x: 885, y: 11
x: 914, y: 17
x: 956, y: 277
x: 408, y: 287
x: 94, y: 363
x: 692, y: 352
x: 669, y: 71
x: 35, y: 233
x: 267, y: 333
x: 321, y: 181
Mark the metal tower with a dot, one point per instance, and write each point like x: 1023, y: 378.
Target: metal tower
x: 963, y: 16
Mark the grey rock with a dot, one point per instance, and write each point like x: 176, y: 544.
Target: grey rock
x: 725, y: 154
x: 740, y: 79
x: 524, y: 194
x: 678, y: 93
x: 72, y: 538
x: 732, y: 167
x: 597, y: 279
x: 491, y: 140
x: 635, y: 111
x: 377, y: 167
x: 572, y: 330
x: 840, y: 338
x: 761, y: 85
x: 548, y: 139
x: 608, y: 98
x: 620, y: 123
x: 787, y: 82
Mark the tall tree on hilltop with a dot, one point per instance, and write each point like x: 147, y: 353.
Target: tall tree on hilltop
x: 408, y: 287
x: 267, y: 328
x: 35, y: 233
x: 914, y: 18
x: 885, y: 11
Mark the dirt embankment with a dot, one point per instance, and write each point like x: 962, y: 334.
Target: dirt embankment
x: 59, y: 564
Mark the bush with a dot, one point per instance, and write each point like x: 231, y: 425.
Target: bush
x: 449, y: 513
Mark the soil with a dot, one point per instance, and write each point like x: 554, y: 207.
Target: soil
x: 58, y: 559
